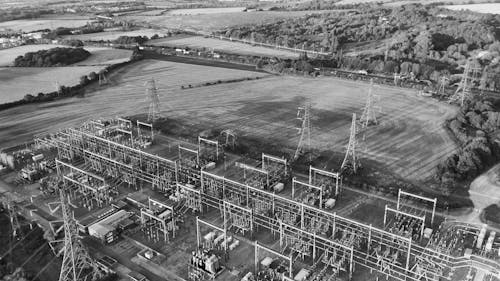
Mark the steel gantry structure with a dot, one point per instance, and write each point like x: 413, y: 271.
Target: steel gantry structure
x: 314, y: 230
x: 116, y: 160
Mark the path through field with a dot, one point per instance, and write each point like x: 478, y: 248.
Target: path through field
x: 410, y: 139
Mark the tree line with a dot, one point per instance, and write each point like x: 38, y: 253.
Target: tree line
x: 427, y: 42
x: 52, y: 57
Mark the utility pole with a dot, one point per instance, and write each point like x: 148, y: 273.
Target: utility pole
x: 350, y: 163
x: 369, y: 117
x: 77, y: 265
x: 154, y: 101
x: 304, y: 115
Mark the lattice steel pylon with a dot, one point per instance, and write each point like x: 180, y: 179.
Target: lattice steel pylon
x: 14, y: 221
x: 463, y: 91
x: 369, y: 116
x: 154, y: 100
x: 304, y: 114
x: 102, y: 78
x: 442, y: 84
x: 350, y: 163
x: 77, y: 265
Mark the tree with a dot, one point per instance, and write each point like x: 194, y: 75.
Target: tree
x: 92, y: 76
x: 423, y: 45
x: 84, y: 80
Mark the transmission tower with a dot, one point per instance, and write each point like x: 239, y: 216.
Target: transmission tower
x: 102, y: 78
x: 77, y: 265
x: 463, y: 91
x: 483, y: 80
x: 350, y: 163
x: 58, y: 87
x: 369, y: 116
x: 14, y: 221
x: 154, y: 101
x: 442, y: 84
x: 304, y: 115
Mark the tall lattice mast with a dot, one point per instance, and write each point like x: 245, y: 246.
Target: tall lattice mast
x: 102, y: 78
x: 154, y: 101
x: 463, y: 91
x: 350, y: 163
x: 369, y: 116
x: 304, y: 114
x: 14, y: 221
x: 442, y: 84
x: 77, y: 265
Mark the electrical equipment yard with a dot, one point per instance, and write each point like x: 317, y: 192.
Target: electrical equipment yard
x: 198, y: 211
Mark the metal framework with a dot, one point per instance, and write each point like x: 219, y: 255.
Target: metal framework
x: 116, y: 160
x: 191, y: 197
x: 465, y: 85
x: 141, y: 125
x: 261, y: 248
x: 154, y: 100
x: 102, y: 78
x: 229, y: 137
x: 92, y: 188
x: 401, y: 203
x: 377, y: 249
x: 277, y: 168
x: 206, y: 149
x: 77, y: 265
x: 254, y: 176
x: 192, y: 160
x: 307, y: 193
x: 158, y: 219
x: 329, y: 181
x: 198, y: 233
x: 405, y: 228
x: 304, y: 115
x: 369, y: 116
x: 350, y: 163
x: 125, y: 126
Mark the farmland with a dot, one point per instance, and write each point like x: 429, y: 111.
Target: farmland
x: 100, y: 56
x: 19, y: 81
x: 265, y: 108
x: 204, y: 11
x: 222, y: 45
x: 112, y: 35
x: 16, y: 82
x: 206, y: 23
x: 45, y: 22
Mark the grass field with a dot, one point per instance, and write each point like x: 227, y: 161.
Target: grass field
x: 19, y: 81
x: 45, y: 22
x: 409, y: 141
x: 207, y: 23
x: 224, y: 46
x: 203, y: 11
x: 112, y: 35
x: 99, y: 56
x: 16, y: 82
